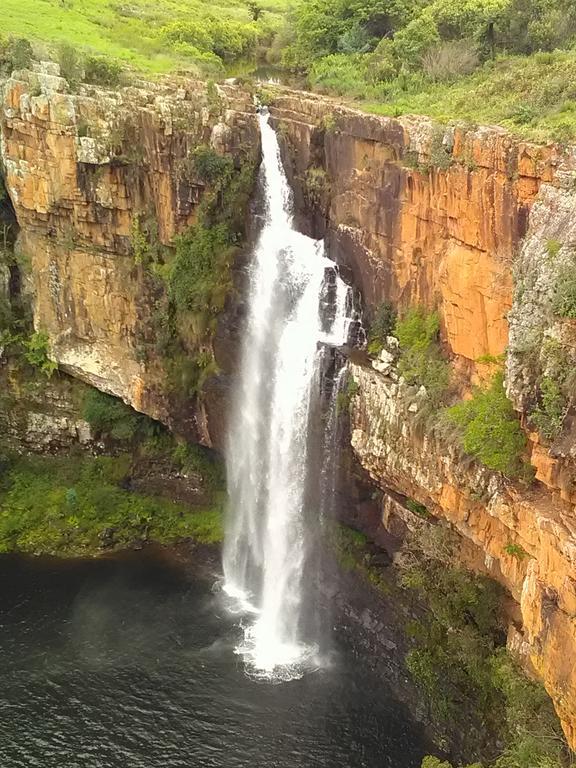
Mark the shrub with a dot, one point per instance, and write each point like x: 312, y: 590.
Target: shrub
x: 200, y: 274
x: 102, y: 71
x: 418, y: 36
x: 351, y: 550
x: 110, y: 417
x: 420, y: 359
x: 553, y: 248
x: 490, y: 429
x: 344, y: 397
x: 17, y: 54
x: 516, y: 550
x: 70, y: 62
x: 549, y: 415
x: 36, y: 350
x: 381, y: 326
x: 449, y: 61
x: 418, y: 509
x: 210, y: 167
x: 564, y: 301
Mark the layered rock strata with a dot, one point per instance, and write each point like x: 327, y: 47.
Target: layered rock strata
x: 478, y: 225
x: 86, y: 172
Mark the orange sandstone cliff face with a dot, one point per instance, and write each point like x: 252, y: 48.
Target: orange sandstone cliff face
x: 85, y: 173
x: 459, y: 220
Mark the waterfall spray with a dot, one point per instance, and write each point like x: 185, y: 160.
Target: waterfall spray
x: 297, y: 303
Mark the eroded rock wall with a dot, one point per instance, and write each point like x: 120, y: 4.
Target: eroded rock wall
x: 479, y: 225
x: 422, y: 215
x: 84, y: 171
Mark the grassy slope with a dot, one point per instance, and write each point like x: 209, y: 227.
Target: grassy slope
x: 126, y: 31
x: 64, y: 505
x: 531, y: 96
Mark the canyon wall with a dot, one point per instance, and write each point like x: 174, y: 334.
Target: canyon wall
x: 478, y: 225
x: 96, y: 177
x: 469, y: 221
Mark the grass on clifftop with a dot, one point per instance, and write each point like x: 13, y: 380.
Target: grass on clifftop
x: 158, y: 36
x: 530, y: 96
x: 71, y: 506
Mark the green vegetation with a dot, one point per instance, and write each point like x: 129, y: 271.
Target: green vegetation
x: 516, y: 550
x: 490, y: 430
x: 483, y: 61
x: 200, y: 275
x: 382, y: 325
x: 458, y: 657
x: 111, y: 418
x: 555, y: 376
x: 194, y: 275
x: 421, y: 359
x: 460, y: 662
x: 72, y: 506
x: 36, y: 350
x: 344, y: 397
x: 418, y: 509
x: 549, y: 414
x: 564, y: 302
x: 351, y: 549
x: 156, y: 37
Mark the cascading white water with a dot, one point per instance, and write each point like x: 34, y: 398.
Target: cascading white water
x: 297, y: 302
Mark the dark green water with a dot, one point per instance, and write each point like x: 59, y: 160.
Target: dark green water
x: 129, y: 663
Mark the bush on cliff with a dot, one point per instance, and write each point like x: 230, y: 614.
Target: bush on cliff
x: 421, y: 359
x: 460, y: 662
x: 490, y: 430
x: 110, y: 417
x: 382, y: 325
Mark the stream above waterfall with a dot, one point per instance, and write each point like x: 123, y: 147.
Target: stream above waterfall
x: 128, y: 662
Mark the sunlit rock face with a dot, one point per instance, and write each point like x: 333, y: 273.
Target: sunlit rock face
x: 479, y: 225
x: 82, y: 170
x: 421, y: 216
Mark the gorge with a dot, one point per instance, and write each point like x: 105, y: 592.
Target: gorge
x: 118, y: 195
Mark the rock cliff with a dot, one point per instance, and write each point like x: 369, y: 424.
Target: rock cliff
x: 91, y: 176
x: 478, y: 225
x: 469, y: 221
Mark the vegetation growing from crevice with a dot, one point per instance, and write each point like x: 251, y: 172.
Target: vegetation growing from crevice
x: 111, y: 418
x: 549, y: 414
x: 551, y: 363
x: 344, y: 397
x: 421, y: 360
x: 489, y: 429
x: 71, y: 505
x: 564, y: 301
x: 382, y: 325
x: 418, y: 509
x: 350, y: 548
x: 113, y: 421
x: 194, y: 275
x: 460, y: 661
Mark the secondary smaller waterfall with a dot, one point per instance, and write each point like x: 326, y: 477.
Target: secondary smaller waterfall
x: 298, y: 304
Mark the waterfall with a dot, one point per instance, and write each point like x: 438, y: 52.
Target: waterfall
x: 298, y: 304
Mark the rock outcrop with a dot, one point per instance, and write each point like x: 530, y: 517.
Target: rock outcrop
x: 88, y: 172
x: 478, y: 225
